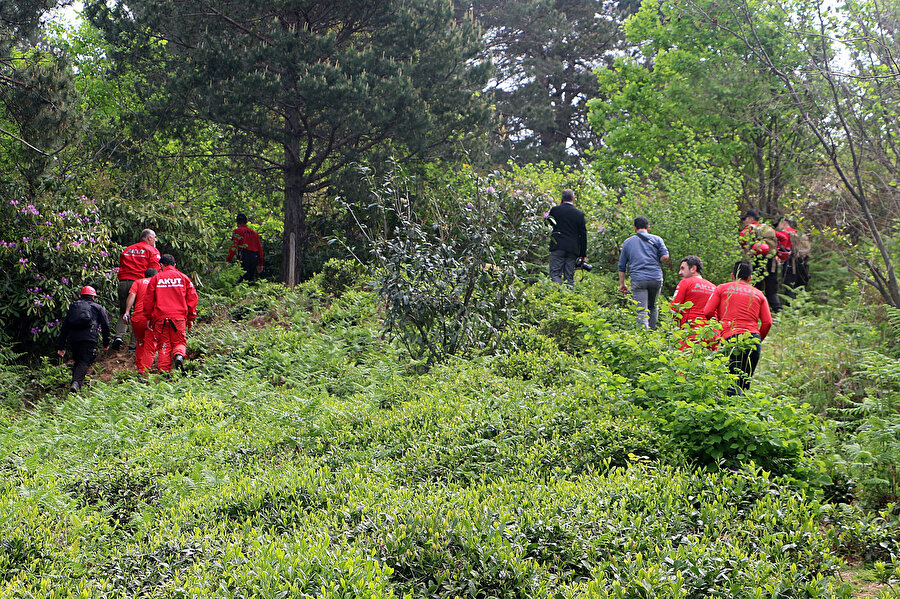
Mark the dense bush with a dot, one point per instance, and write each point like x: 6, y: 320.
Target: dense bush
x: 449, y: 278
x: 48, y: 251
x: 303, y: 454
x: 693, y: 209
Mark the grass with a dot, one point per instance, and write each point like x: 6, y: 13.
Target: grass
x: 304, y: 455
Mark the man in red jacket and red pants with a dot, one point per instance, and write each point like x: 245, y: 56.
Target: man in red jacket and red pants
x: 133, y: 261
x: 146, y: 340
x: 170, y: 307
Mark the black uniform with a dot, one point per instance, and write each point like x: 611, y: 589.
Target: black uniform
x: 83, y: 340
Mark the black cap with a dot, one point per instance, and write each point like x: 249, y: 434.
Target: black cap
x: 751, y: 214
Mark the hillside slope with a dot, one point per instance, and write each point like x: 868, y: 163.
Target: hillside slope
x: 304, y: 455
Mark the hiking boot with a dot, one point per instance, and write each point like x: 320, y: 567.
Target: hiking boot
x: 75, y: 387
x: 179, y: 362
x: 116, y: 344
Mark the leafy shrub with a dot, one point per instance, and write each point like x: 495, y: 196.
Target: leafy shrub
x: 338, y: 275
x: 48, y: 251
x: 694, y: 209
x: 448, y: 283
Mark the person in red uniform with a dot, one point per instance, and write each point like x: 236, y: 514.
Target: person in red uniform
x: 245, y: 243
x: 743, y: 311
x: 170, y: 307
x: 762, y: 253
x: 691, y: 295
x: 693, y: 288
x: 146, y: 343
x: 134, y: 260
x: 789, y: 277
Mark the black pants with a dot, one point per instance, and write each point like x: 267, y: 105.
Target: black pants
x: 768, y: 284
x: 249, y: 261
x: 742, y: 362
x: 84, y: 353
x: 795, y: 273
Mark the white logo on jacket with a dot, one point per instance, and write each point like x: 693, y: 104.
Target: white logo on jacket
x: 170, y: 283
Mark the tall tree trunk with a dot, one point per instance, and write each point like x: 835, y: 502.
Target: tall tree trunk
x: 294, y: 210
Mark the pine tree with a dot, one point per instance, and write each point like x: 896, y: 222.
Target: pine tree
x: 303, y: 88
x: 37, y: 103
x: 545, y: 53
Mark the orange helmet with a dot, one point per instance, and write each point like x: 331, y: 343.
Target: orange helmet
x: 761, y: 248
x: 88, y: 290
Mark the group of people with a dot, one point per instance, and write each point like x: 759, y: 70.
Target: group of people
x: 157, y: 303
x: 744, y: 310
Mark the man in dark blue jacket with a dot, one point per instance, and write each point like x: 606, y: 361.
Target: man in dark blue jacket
x: 568, y: 242
x: 83, y: 321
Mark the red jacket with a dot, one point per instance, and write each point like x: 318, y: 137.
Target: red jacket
x: 139, y: 289
x: 137, y: 258
x: 170, y: 294
x: 741, y: 308
x: 784, y: 242
x: 245, y: 238
x: 696, y: 290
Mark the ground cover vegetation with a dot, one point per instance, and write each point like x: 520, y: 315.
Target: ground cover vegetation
x: 425, y: 415
x: 304, y: 453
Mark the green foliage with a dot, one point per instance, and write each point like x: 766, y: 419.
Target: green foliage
x: 693, y: 208
x: 303, y: 454
x: 387, y: 73
x: 339, y: 275
x: 49, y: 249
x: 821, y: 344
x: 448, y: 279
x: 545, y: 53
x: 179, y: 231
x: 691, y: 90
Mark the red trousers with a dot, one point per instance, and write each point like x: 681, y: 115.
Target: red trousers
x: 171, y: 341
x: 146, y: 344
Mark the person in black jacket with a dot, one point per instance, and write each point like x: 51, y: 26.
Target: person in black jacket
x: 83, y: 321
x: 568, y: 242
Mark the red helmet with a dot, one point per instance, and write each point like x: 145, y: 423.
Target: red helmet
x: 760, y: 248
x: 88, y: 290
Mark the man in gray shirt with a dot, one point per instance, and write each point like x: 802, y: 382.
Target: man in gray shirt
x: 642, y: 254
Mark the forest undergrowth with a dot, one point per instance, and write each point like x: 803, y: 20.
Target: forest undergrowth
x: 304, y: 454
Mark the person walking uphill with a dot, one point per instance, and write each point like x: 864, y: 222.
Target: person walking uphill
x: 643, y: 254
x: 170, y: 307
x: 568, y: 241
x: 245, y: 243
x: 760, y: 246
x: 134, y: 260
x: 83, y: 321
x: 742, y: 309
x: 146, y: 340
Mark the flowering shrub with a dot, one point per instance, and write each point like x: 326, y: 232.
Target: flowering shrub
x: 48, y: 251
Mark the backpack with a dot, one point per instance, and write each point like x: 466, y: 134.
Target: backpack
x: 766, y: 233
x: 81, y: 316
x: 800, y: 245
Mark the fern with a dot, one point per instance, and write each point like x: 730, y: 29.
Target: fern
x: 893, y: 318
